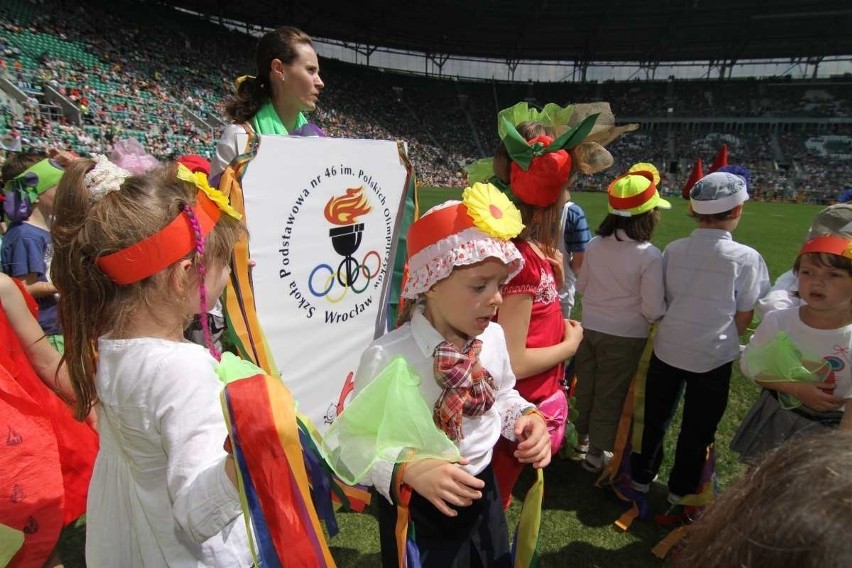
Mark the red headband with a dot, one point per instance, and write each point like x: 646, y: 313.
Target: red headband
x: 437, y: 225
x: 163, y: 248
x: 831, y: 245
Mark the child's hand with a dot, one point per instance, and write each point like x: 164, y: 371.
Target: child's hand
x: 814, y: 396
x: 556, y: 262
x: 573, y: 334
x: 534, y: 446
x: 443, y: 484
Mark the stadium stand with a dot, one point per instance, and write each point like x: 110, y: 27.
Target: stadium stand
x: 84, y: 73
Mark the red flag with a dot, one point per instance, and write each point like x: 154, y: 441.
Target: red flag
x: 697, y: 174
x: 721, y: 159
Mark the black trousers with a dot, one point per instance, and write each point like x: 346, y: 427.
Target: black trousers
x: 706, y: 397
x: 476, y: 537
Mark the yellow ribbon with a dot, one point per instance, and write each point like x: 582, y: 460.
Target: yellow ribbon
x: 239, y: 80
x: 199, y: 179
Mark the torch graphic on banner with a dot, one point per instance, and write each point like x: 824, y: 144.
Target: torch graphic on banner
x: 346, y: 237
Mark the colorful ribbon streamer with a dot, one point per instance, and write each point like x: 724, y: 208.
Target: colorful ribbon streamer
x: 273, y: 474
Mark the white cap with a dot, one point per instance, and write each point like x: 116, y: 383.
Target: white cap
x: 718, y: 192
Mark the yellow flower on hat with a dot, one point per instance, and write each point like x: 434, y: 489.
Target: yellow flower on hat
x: 199, y: 180
x: 492, y: 212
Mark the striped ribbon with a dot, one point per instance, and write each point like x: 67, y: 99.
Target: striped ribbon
x: 242, y: 322
x: 273, y: 475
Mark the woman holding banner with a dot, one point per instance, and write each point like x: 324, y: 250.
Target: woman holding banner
x: 287, y: 84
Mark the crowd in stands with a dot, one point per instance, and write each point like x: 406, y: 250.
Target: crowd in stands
x: 164, y: 86
x: 71, y: 81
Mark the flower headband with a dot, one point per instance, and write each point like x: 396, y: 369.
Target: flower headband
x: 460, y: 233
x: 828, y: 244
x: 168, y: 245
x: 199, y: 179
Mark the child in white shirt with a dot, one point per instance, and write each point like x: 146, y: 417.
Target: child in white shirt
x: 623, y: 294
x: 459, y: 258
x: 136, y: 258
x: 712, y: 286
x: 834, y: 220
x: 820, y: 329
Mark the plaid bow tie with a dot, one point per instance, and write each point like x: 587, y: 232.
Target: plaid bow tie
x: 468, y: 388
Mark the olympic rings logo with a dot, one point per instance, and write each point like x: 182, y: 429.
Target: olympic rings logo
x: 350, y: 274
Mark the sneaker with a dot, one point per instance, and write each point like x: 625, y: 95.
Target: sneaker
x: 581, y: 449
x: 596, y: 460
x: 678, y: 515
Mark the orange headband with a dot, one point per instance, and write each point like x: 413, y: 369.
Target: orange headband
x: 831, y: 245
x: 163, y: 248
x: 438, y: 225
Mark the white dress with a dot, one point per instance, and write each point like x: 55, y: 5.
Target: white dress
x: 159, y: 495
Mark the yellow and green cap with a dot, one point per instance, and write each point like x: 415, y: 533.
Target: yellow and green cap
x: 635, y: 193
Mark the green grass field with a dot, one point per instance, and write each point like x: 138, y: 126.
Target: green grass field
x: 577, y: 519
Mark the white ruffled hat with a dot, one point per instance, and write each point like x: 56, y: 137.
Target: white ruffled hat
x: 460, y: 233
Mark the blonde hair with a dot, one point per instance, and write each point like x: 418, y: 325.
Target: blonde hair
x: 92, y: 304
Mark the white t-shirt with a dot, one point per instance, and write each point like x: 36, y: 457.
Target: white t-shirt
x: 159, y: 495
x: 831, y: 345
x: 416, y: 342
x: 781, y: 296
x: 622, y: 286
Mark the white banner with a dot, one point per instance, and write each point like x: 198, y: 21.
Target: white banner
x: 322, y: 216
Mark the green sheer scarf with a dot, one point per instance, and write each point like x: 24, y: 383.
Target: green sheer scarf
x: 266, y: 121
x: 782, y: 361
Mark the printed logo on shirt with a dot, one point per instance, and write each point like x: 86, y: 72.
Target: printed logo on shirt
x: 833, y: 366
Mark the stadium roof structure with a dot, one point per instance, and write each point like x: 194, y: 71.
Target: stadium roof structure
x: 593, y: 31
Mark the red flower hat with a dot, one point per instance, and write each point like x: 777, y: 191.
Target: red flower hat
x: 541, y: 184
